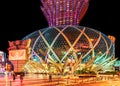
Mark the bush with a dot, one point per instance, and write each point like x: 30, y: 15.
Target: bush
x: 85, y: 71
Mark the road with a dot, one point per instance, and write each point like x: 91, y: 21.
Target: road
x: 42, y: 80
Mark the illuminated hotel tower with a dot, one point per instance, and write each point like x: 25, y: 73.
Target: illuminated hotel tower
x: 64, y: 41
x: 64, y: 12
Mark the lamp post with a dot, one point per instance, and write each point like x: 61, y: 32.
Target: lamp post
x: 6, y: 74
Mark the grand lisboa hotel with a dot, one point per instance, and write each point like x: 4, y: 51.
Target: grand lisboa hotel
x: 65, y: 46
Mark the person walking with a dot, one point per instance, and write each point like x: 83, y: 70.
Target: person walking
x: 50, y: 77
x: 21, y: 77
x: 14, y: 76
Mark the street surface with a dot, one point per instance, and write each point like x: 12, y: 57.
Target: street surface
x: 43, y: 80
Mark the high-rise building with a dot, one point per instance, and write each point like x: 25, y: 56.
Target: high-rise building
x: 65, y: 45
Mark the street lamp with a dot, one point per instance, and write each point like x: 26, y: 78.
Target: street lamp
x: 6, y: 74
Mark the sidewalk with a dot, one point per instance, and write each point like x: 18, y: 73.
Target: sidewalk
x: 42, y: 80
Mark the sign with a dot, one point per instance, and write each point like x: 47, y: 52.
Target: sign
x: 2, y: 56
x: 17, y: 54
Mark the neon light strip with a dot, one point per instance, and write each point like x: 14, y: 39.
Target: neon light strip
x: 48, y: 45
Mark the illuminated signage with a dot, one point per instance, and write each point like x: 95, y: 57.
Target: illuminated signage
x: 17, y: 54
x: 1, y: 56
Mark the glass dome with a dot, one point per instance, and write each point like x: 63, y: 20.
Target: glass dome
x: 70, y: 41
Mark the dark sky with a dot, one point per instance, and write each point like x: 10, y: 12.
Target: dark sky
x: 20, y: 17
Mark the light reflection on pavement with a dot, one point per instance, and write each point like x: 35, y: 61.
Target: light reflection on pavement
x: 42, y: 80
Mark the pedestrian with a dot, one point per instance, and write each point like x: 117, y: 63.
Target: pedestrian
x: 21, y: 77
x: 14, y: 76
x: 50, y: 77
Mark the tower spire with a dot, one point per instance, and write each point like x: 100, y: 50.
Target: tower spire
x: 64, y: 12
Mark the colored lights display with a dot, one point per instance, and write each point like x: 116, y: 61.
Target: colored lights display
x: 66, y: 40
x: 64, y: 12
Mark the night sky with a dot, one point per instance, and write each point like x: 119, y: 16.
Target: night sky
x: 20, y: 18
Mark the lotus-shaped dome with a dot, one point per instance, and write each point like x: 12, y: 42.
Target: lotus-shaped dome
x: 61, y: 43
